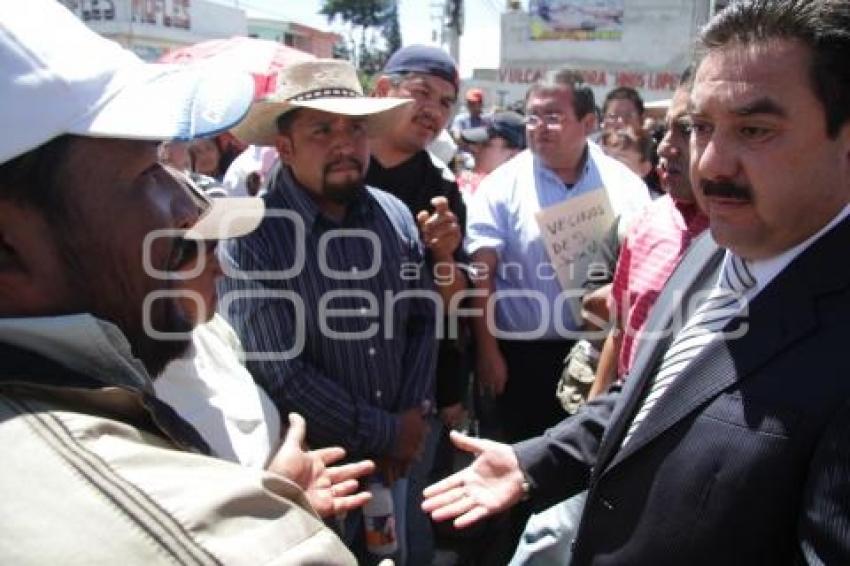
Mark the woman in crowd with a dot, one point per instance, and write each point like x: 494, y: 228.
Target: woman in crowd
x: 206, y: 158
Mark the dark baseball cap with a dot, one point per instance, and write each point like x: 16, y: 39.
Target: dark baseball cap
x: 507, y: 125
x: 426, y: 60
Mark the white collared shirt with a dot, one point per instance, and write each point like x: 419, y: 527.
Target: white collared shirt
x: 502, y: 216
x: 766, y: 270
x: 210, y: 388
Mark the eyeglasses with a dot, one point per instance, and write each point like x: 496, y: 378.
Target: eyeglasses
x: 614, y: 118
x: 552, y: 121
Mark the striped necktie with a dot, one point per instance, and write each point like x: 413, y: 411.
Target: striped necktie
x: 707, y: 322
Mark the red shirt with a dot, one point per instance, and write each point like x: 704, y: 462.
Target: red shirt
x: 655, y: 243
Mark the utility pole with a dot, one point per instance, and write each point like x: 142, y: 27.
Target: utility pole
x: 447, y: 25
x: 438, y: 12
x: 454, y: 26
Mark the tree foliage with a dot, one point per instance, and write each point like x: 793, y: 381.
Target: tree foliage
x: 360, y: 13
x: 392, y: 29
x: 373, y: 31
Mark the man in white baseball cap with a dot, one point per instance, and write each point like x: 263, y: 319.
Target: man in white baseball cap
x: 92, y: 227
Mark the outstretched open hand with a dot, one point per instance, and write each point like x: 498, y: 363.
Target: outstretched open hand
x: 331, y: 490
x: 491, y: 484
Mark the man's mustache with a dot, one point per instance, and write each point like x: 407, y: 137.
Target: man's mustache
x: 726, y: 189
x: 426, y: 115
x: 344, y: 161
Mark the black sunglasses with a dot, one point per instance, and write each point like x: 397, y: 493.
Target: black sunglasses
x: 186, y: 250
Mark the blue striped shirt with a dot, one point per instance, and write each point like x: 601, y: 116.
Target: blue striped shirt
x: 339, y: 326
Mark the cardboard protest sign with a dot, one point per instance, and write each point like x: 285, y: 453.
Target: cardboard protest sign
x: 573, y: 232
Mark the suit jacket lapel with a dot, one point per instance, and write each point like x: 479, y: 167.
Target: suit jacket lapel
x: 698, y: 265
x: 780, y: 315
x: 775, y: 323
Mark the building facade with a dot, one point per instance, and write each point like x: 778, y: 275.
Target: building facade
x: 150, y: 28
x: 319, y: 43
x: 644, y: 44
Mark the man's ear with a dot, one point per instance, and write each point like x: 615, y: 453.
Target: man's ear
x: 589, y: 123
x: 285, y: 148
x: 10, y: 244
x: 28, y: 261
x: 9, y: 258
x: 382, y: 87
x: 645, y: 168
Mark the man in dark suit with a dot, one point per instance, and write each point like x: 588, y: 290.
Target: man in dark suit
x: 730, y: 440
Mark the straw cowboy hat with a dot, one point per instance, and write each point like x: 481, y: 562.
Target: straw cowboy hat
x: 329, y: 85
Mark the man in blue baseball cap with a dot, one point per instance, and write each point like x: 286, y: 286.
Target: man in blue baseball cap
x: 429, y: 76
x: 402, y: 166
x: 491, y: 145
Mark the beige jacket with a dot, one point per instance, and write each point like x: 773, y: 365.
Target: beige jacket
x: 89, y: 478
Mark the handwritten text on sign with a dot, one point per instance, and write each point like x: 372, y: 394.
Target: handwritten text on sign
x: 572, y: 232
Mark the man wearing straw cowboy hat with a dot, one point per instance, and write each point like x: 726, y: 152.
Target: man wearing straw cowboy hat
x: 329, y: 295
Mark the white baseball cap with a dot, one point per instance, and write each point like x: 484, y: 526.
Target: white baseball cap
x: 59, y: 77
x: 222, y: 217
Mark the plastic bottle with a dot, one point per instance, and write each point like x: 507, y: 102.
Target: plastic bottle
x: 379, y: 521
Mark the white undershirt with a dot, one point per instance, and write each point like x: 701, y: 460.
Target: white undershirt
x: 766, y: 270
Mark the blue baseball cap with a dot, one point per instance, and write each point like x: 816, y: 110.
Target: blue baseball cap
x: 509, y: 126
x: 426, y: 60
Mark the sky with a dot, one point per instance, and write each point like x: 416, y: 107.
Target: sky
x: 479, y: 47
